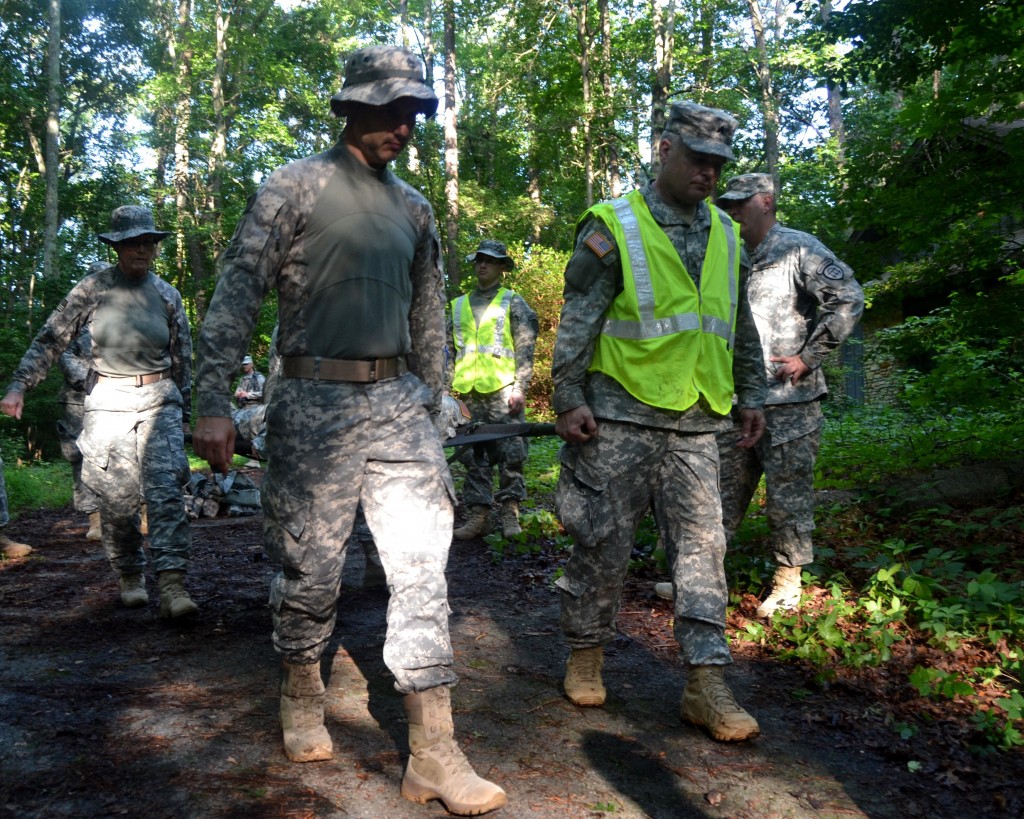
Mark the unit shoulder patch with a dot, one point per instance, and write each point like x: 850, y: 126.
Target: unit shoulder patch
x: 831, y: 269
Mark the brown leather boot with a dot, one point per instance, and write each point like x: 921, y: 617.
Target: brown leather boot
x: 708, y: 703
x: 437, y: 767
x: 510, y: 519
x: 582, y: 684
x: 477, y: 524
x: 302, y: 714
x: 12, y: 550
x: 174, y: 600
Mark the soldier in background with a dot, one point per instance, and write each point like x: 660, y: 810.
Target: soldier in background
x: 805, y: 302
x: 250, y: 386
x: 494, y: 333
x: 354, y: 255
x: 654, y: 339
x: 137, y: 406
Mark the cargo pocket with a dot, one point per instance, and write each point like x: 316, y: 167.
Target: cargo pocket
x: 285, y: 516
x: 579, y: 495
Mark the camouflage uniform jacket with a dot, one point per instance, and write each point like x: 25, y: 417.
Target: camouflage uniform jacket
x: 592, y: 283
x: 267, y: 251
x: 75, y: 314
x: 523, y: 322
x: 805, y: 302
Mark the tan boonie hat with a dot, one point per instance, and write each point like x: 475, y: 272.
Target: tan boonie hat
x: 378, y: 75
x: 496, y: 250
x: 129, y: 221
x: 746, y: 185
x: 704, y: 130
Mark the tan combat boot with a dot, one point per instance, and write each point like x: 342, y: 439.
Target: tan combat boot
x: 477, y: 524
x: 582, y: 684
x: 664, y: 591
x: 95, y: 527
x: 785, y: 592
x: 12, y: 550
x: 174, y: 600
x: 708, y: 703
x: 437, y: 767
x: 133, y: 591
x: 302, y: 714
x: 510, y: 519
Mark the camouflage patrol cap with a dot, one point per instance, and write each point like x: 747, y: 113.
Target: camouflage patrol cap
x: 129, y: 221
x: 746, y: 185
x: 704, y: 130
x: 378, y: 75
x: 496, y: 250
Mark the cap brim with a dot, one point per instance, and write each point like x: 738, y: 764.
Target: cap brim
x: 384, y: 92
x: 114, y: 238
x: 707, y: 146
x: 733, y: 196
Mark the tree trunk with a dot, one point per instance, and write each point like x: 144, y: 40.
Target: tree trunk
x: 451, y: 150
x: 769, y: 105
x: 583, y: 40
x: 613, y: 176
x: 52, y: 171
x: 664, y: 16
x: 835, y: 100
x: 181, y: 56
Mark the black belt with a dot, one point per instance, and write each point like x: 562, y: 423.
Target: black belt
x: 135, y: 380
x: 337, y: 369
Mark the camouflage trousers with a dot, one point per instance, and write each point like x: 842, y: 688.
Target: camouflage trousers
x: 132, y: 438
x: 785, y: 455
x: 605, y: 488
x: 332, y: 447
x: 492, y: 408
x: 68, y: 430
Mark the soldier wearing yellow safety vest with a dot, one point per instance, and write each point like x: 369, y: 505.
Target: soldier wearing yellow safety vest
x: 655, y: 338
x: 493, y: 332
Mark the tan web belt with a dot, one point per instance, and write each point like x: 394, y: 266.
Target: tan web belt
x: 135, y: 380
x: 337, y: 369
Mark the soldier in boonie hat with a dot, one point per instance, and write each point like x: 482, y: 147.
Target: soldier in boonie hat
x: 493, y: 249
x: 130, y: 221
x: 378, y: 75
x: 746, y: 185
x: 704, y: 130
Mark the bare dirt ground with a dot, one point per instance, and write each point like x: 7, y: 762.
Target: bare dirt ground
x: 106, y: 711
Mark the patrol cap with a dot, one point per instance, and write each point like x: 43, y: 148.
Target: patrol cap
x: 704, y: 130
x: 247, y: 360
x: 129, y: 221
x: 746, y: 185
x: 494, y: 249
x: 378, y: 75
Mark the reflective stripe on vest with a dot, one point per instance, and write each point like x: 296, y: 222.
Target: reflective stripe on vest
x: 484, y: 355
x: 670, y: 360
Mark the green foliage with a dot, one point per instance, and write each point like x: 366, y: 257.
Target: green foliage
x: 41, y: 485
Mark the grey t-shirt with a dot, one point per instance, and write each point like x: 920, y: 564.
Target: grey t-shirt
x: 130, y: 330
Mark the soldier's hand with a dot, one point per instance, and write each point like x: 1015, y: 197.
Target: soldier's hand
x: 791, y: 367
x: 752, y: 427
x: 576, y: 426
x: 516, y: 401
x: 214, y: 440
x: 13, y: 404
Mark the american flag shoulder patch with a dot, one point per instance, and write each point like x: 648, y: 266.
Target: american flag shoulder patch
x: 599, y: 244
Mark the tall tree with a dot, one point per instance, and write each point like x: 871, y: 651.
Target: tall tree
x: 52, y: 140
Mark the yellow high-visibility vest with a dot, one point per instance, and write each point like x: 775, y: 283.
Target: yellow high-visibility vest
x: 485, y: 356
x: 664, y: 341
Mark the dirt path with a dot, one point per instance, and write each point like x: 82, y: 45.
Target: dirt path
x: 110, y: 712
